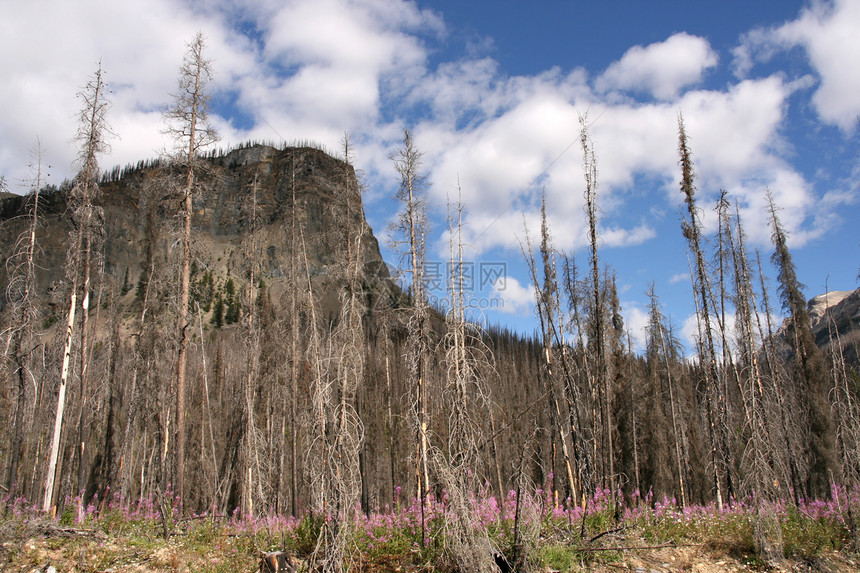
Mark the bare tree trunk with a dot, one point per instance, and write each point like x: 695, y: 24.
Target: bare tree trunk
x: 187, y: 120
x: 678, y: 432
x: 761, y: 458
x: 546, y: 299
x: 808, y: 365
x: 791, y: 438
x: 21, y: 275
x: 407, y: 162
x: 714, y: 396
x: 578, y: 404
x: 294, y: 345
x: 215, y: 483
x: 465, y: 396
x: 182, y: 356
x: 48, y: 500
x: 84, y: 345
x: 92, y: 131
x: 602, y: 379
x: 251, y: 455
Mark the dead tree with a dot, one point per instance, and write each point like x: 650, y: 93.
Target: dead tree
x: 466, y: 397
x: 295, y: 358
x: 597, y: 327
x: 346, y: 370
x: 92, y: 136
x: 187, y: 120
x: 658, y: 349
x: 577, y: 371
x: 412, y: 225
x: 92, y: 226
x: 552, y: 337
x: 764, y: 469
x: 253, y: 470
x: 846, y: 408
x: 714, y: 399
x: 784, y: 395
x: 808, y: 366
x: 20, y: 292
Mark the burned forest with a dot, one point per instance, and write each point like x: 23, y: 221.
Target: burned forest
x: 217, y: 330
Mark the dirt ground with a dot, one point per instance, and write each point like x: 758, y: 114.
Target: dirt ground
x: 704, y: 560
x: 72, y: 553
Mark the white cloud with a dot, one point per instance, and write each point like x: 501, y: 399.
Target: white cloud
x: 662, y: 69
x: 679, y: 277
x: 615, y: 237
x: 690, y: 333
x: 58, y: 47
x: 314, y: 69
x: 516, y: 298
x: 503, y: 162
x: 310, y: 71
x: 828, y: 32
x: 737, y: 132
x: 636, y: 321
x: 456, y: 88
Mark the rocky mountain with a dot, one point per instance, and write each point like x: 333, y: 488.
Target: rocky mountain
x: 140, y: 213
x: 292, y: 219
x: 835, y: 318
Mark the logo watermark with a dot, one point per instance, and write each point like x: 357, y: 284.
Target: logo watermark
x: 482, y: 283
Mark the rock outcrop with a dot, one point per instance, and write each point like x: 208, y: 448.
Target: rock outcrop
x: 141, y: 209
x: 835, y: 318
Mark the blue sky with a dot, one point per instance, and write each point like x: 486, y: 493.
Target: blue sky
x: 493, y: 92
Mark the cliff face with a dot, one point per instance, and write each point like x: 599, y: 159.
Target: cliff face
x: 291, y: 219
x: 835, y: 321
x: 248, y: 206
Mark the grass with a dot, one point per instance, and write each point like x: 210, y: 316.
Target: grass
x: 128, y: 535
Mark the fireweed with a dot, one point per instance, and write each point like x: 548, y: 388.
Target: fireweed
x: 393, y: 533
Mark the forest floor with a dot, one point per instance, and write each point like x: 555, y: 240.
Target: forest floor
x: 40, y: 545
x: 650, y: 537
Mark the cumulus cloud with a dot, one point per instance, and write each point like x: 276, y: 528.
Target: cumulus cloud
x: 636, y: 320
x: 827, y: 31
x: 314, y: 69
x: 662, y: 69
x: 679, y: 277
x: 503, y: 163
x: 298, y: 70
x: 516, y: 298
x: 58, y: 46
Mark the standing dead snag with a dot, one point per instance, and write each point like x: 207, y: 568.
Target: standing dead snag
x: 20, y: 288
x: 349, y: 361
x: 412, y: 224
x: 598, y: 328
x: 807, y: 365
x: 187, y: 121
x: 715, y: 401
x: 92, y: 229
x: 92, y: 135
x: 552, y: 331
x: 658, y: 348
x: 465, y: 395
x: 338, y: 430
x: 762, y: 461
x: 252, y: 467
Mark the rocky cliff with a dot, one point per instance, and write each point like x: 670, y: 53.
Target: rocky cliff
x: 249, y: 206
x: 835, y: 318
